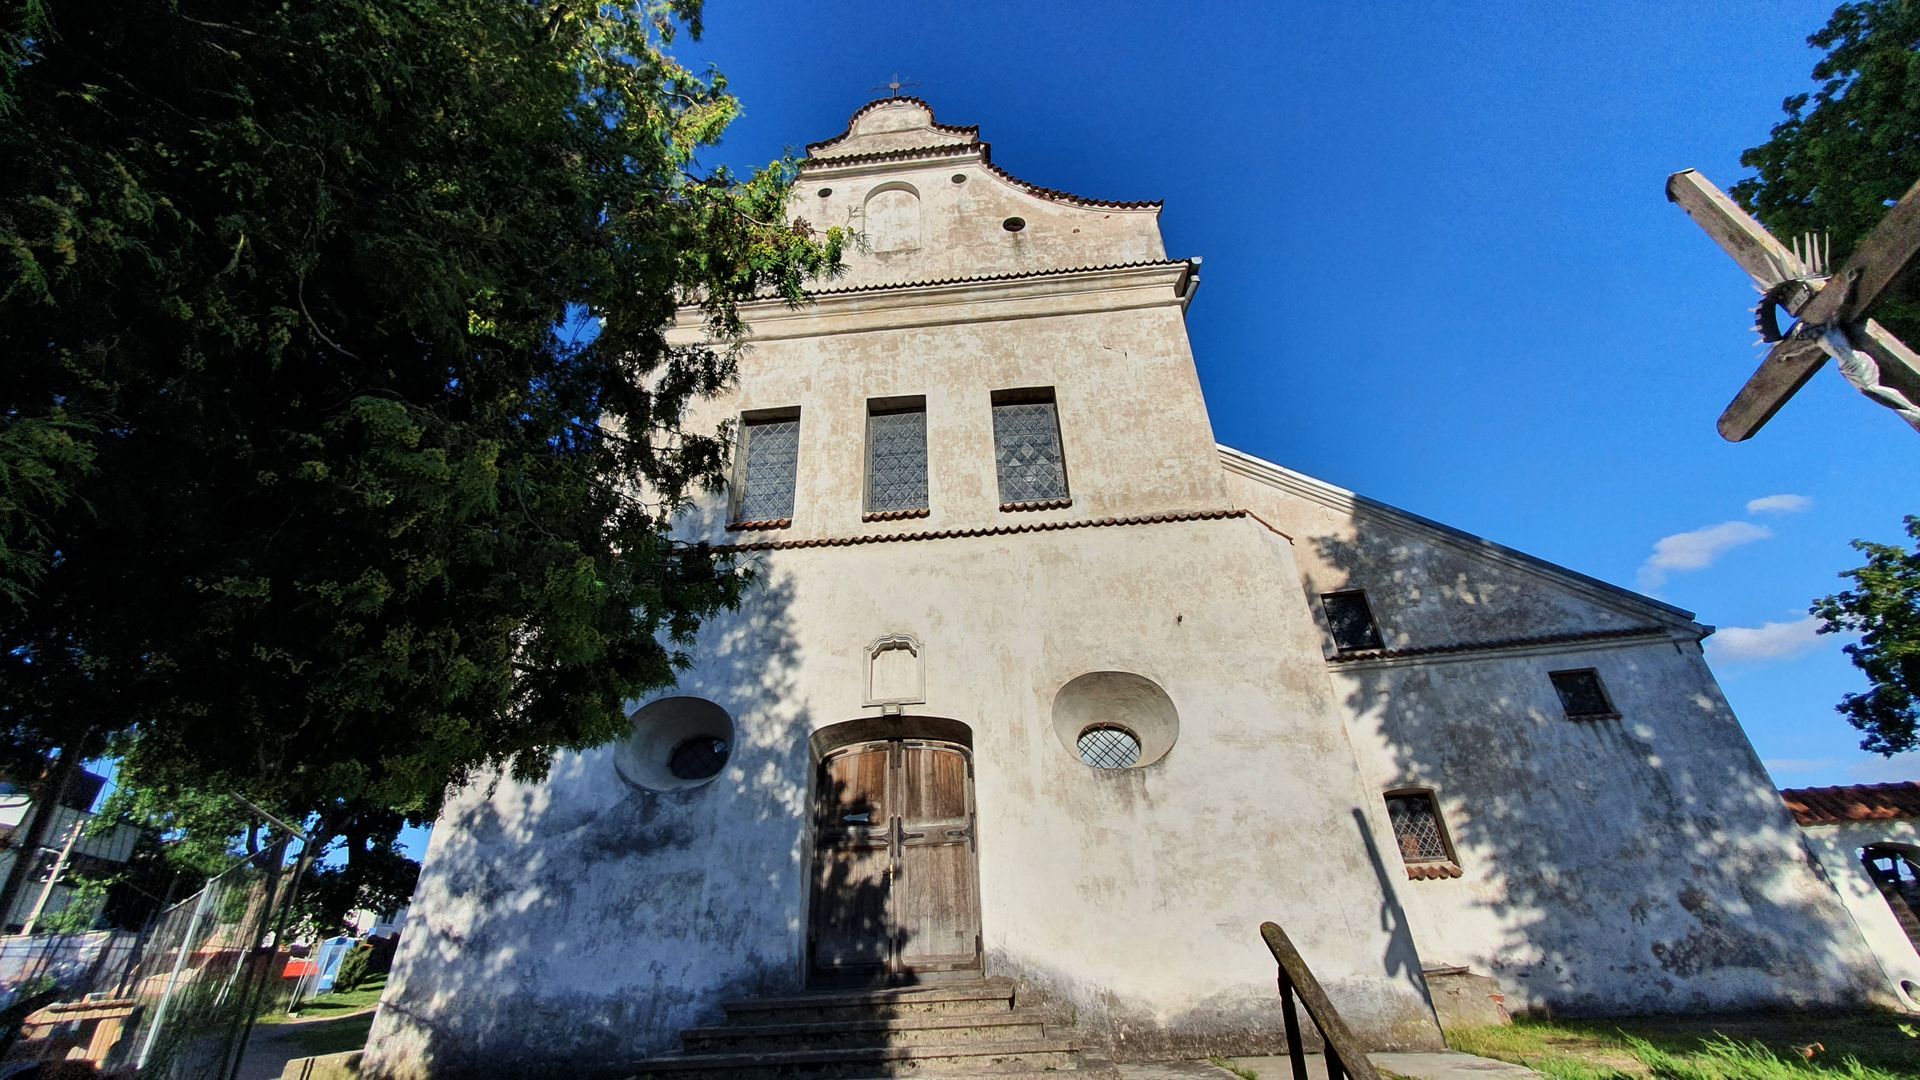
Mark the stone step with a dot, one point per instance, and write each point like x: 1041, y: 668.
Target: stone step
x: 981, y: 997
x: 927, y: 1029
x: 963, y: 1059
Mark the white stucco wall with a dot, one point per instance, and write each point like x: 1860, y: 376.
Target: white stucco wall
x: 1838, y: 849
x: 1638, y: 864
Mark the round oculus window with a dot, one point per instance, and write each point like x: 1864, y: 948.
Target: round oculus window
x: 959, y: 178
x: 824, y: 192
x: 1108, y: 746
x: 698, y: 758
x: 1014, y: 224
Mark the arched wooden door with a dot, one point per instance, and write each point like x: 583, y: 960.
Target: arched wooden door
x: 896, y: 894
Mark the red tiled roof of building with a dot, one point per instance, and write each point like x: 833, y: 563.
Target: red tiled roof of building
x: 1853, y: 802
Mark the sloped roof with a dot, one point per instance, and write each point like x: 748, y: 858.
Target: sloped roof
x: 1853, y: 802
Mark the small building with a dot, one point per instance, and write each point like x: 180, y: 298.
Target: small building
x: 1867, y: 840
x: 1039, y: 683
x: 90, y: 856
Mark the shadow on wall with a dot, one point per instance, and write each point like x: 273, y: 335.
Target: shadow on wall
x: 1635, y: 864
x: 585, y: 920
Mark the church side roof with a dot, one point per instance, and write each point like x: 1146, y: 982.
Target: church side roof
x: 1340, y: 499
x: 1853, y: 802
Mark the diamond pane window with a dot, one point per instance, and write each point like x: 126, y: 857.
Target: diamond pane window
x: 1416, y: 827
x: 1351, y: 621
x: 897, y: 459
x: 772, y: 451
x: 1107, y: 746
x: 1026, y: 447
x: 1581, y: 694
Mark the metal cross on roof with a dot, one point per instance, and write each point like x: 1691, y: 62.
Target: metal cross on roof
x: 893, y: 88
x: 1831, y: 307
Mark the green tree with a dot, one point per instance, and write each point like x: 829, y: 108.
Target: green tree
x: 353, y: 316
x: 1883, y: 607
x: 1851, y: 148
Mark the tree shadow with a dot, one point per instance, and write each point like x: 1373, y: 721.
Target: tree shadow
x: 1635, y: 863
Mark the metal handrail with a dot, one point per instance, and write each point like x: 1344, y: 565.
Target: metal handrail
x: 1346, y: 1058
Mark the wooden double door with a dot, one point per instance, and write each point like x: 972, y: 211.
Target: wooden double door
x: 896, y: 895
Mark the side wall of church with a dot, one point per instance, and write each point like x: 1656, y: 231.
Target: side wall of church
x: 1838, y: 849
x: 1638, y: 863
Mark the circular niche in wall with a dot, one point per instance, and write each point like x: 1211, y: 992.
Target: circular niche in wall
x: 1115, y: 720
x: 677, y: 744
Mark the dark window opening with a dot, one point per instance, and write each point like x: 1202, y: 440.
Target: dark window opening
x: 1417, y: 828
x: 769, y: 461
x: 1026, y: 446
x: 698, y: 758
x: 1351, y: 621
x: 1581, y: 694
x: 896, y: 454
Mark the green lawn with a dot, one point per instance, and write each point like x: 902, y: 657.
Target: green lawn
x: 332, y: 1036
x: 324, y: 1005
x: 1749, y: 1046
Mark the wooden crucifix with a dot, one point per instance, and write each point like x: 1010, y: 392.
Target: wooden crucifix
x: 1831, y: 309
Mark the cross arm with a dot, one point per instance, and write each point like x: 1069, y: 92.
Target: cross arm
x: 1767, y: 261
x: 1874, y: 265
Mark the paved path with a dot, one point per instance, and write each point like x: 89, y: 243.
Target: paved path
x: 1438, y: 1065
x: 273, y: 1045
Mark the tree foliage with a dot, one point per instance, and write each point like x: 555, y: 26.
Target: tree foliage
x: 1883, y: 607
x: 1850, y: 149
x: 339, y: 432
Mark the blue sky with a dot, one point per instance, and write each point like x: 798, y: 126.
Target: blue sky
x: 1439, y: 269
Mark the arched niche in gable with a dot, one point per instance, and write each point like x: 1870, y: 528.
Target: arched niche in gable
x: 891, y: 218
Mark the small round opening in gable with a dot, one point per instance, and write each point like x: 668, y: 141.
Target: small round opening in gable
x: 677, y: 743
x: 1014, y: 224
x: 1115, y: 720
x: 959, y: 178
x: 824, y: 192
x: 1108, y: 746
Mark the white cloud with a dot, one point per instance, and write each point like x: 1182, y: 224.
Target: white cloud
x: 1768, y: 641
x: 1779, y: 504
x: 1885, y: 770
x: 1696, y: 550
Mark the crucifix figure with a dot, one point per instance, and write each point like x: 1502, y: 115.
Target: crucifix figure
x: 1831, y: 309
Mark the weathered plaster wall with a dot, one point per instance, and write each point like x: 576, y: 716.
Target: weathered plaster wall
x: 1133, y: 897
x: 1838, y: 849
x: 1644, y: 863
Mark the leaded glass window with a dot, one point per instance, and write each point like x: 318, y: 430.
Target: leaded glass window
x: 1351, y: 621
x: 1108, y: 746
x: 1026, y: 448
x: 897, y: 459
x: 1416, y: 827
x: 772, y: 452
x: 1581, y: 694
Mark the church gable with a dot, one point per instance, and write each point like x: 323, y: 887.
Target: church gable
x: 1428, y: 588
x: 929, y: 205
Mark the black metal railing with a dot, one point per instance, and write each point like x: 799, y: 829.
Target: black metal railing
x: 1346, y: 1058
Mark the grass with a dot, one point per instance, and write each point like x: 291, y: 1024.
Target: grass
x: 332, y: 1036
x: 1752, y: 1046
x: 321, y: 1006
x: 1219, y: 1062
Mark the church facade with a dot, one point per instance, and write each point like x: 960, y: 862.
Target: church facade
x: 1037, y: 682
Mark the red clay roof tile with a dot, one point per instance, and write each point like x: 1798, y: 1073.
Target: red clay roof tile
x: 1853, y: 802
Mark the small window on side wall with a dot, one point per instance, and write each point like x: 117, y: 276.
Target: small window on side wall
x: 1026, y: 449
x: 896, y: 457
x: 1421, y: 834
x: 769, y: 461
x: 1351, y: 621
x: 1582, y: 696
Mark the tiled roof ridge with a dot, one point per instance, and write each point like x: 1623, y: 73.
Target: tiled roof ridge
x: 986, y: 159
x: 991, y: 530
x: 1009, y: 275
x: 951, y: 129
x: 1853, y: 802
x: 1501, y: 643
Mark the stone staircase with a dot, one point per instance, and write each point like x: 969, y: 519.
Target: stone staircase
x: 951, y: 1029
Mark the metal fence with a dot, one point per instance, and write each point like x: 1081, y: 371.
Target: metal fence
x: 195, y: 978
